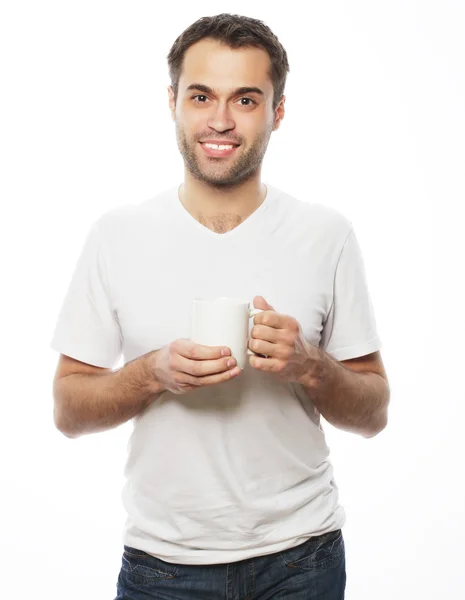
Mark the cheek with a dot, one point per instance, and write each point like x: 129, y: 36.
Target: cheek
x: 195, y: 128
x: 186, y: 118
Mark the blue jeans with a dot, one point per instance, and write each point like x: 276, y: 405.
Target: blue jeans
x: 314, y: 570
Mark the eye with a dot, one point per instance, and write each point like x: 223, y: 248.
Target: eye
x: 198, y: 96
x: 249, y: 99
x: 197, y: 100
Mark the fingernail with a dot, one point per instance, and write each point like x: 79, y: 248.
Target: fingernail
x: 225, y: 352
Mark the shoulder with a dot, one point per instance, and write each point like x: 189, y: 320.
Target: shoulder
x: 313, y: 215
x: 132, y: 219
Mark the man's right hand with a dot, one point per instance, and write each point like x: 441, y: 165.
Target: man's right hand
x: 184, y: 365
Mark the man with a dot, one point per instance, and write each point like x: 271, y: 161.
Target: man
x: 229, y: 493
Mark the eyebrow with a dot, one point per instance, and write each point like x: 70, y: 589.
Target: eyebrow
x: 242, y: 90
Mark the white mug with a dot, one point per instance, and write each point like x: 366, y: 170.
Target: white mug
x: 223, y: 322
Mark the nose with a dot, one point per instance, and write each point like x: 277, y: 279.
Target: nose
x: 220, y: 118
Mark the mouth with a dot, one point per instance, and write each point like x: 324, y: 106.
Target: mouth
x: 218, y: 150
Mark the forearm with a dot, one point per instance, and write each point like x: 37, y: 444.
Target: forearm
x: 355, y: 402
x: 89, y: 403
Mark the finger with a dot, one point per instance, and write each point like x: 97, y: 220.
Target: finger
x: 265, y: 333
x: 272, y: 365
x: 214, y: 379
x: 275, y: 336
x: 271, y: 319
x: 268, y: 348
x: 202, y: 368
x: 194, y: 351
x: 264, y: 304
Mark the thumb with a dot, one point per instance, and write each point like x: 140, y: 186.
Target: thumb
x: 260, y: 302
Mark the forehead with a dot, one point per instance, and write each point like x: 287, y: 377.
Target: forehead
x: 224, y: 68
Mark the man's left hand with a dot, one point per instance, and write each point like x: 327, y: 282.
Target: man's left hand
x: 280, y: 338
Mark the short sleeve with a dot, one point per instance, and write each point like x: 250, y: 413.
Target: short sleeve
x: 349, y: 330
x: 87, y: 328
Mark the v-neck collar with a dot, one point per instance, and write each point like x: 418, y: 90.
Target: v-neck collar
x: 232, y: 232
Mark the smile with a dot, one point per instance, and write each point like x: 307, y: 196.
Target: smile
x: 218, y: 149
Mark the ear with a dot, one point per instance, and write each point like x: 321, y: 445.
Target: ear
x: 171, y: 102
x: 279, y: 114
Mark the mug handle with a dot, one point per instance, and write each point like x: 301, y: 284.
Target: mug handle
x: 252, y: 313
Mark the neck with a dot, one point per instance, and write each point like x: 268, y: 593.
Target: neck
x: 205, y: 201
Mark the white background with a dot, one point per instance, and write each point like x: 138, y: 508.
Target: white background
x: 374, y: 127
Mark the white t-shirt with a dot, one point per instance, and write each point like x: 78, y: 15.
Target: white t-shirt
x: 241, y: 469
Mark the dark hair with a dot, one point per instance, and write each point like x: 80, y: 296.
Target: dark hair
x: 234, y: 31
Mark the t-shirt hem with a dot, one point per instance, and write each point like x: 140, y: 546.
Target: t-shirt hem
x: 228, y: 556
x: 82, y: 355
x: 357, y: 350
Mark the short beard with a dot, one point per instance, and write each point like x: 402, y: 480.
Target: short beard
x: 242, y: 170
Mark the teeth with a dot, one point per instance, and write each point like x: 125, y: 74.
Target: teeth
x: 217, y: 147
